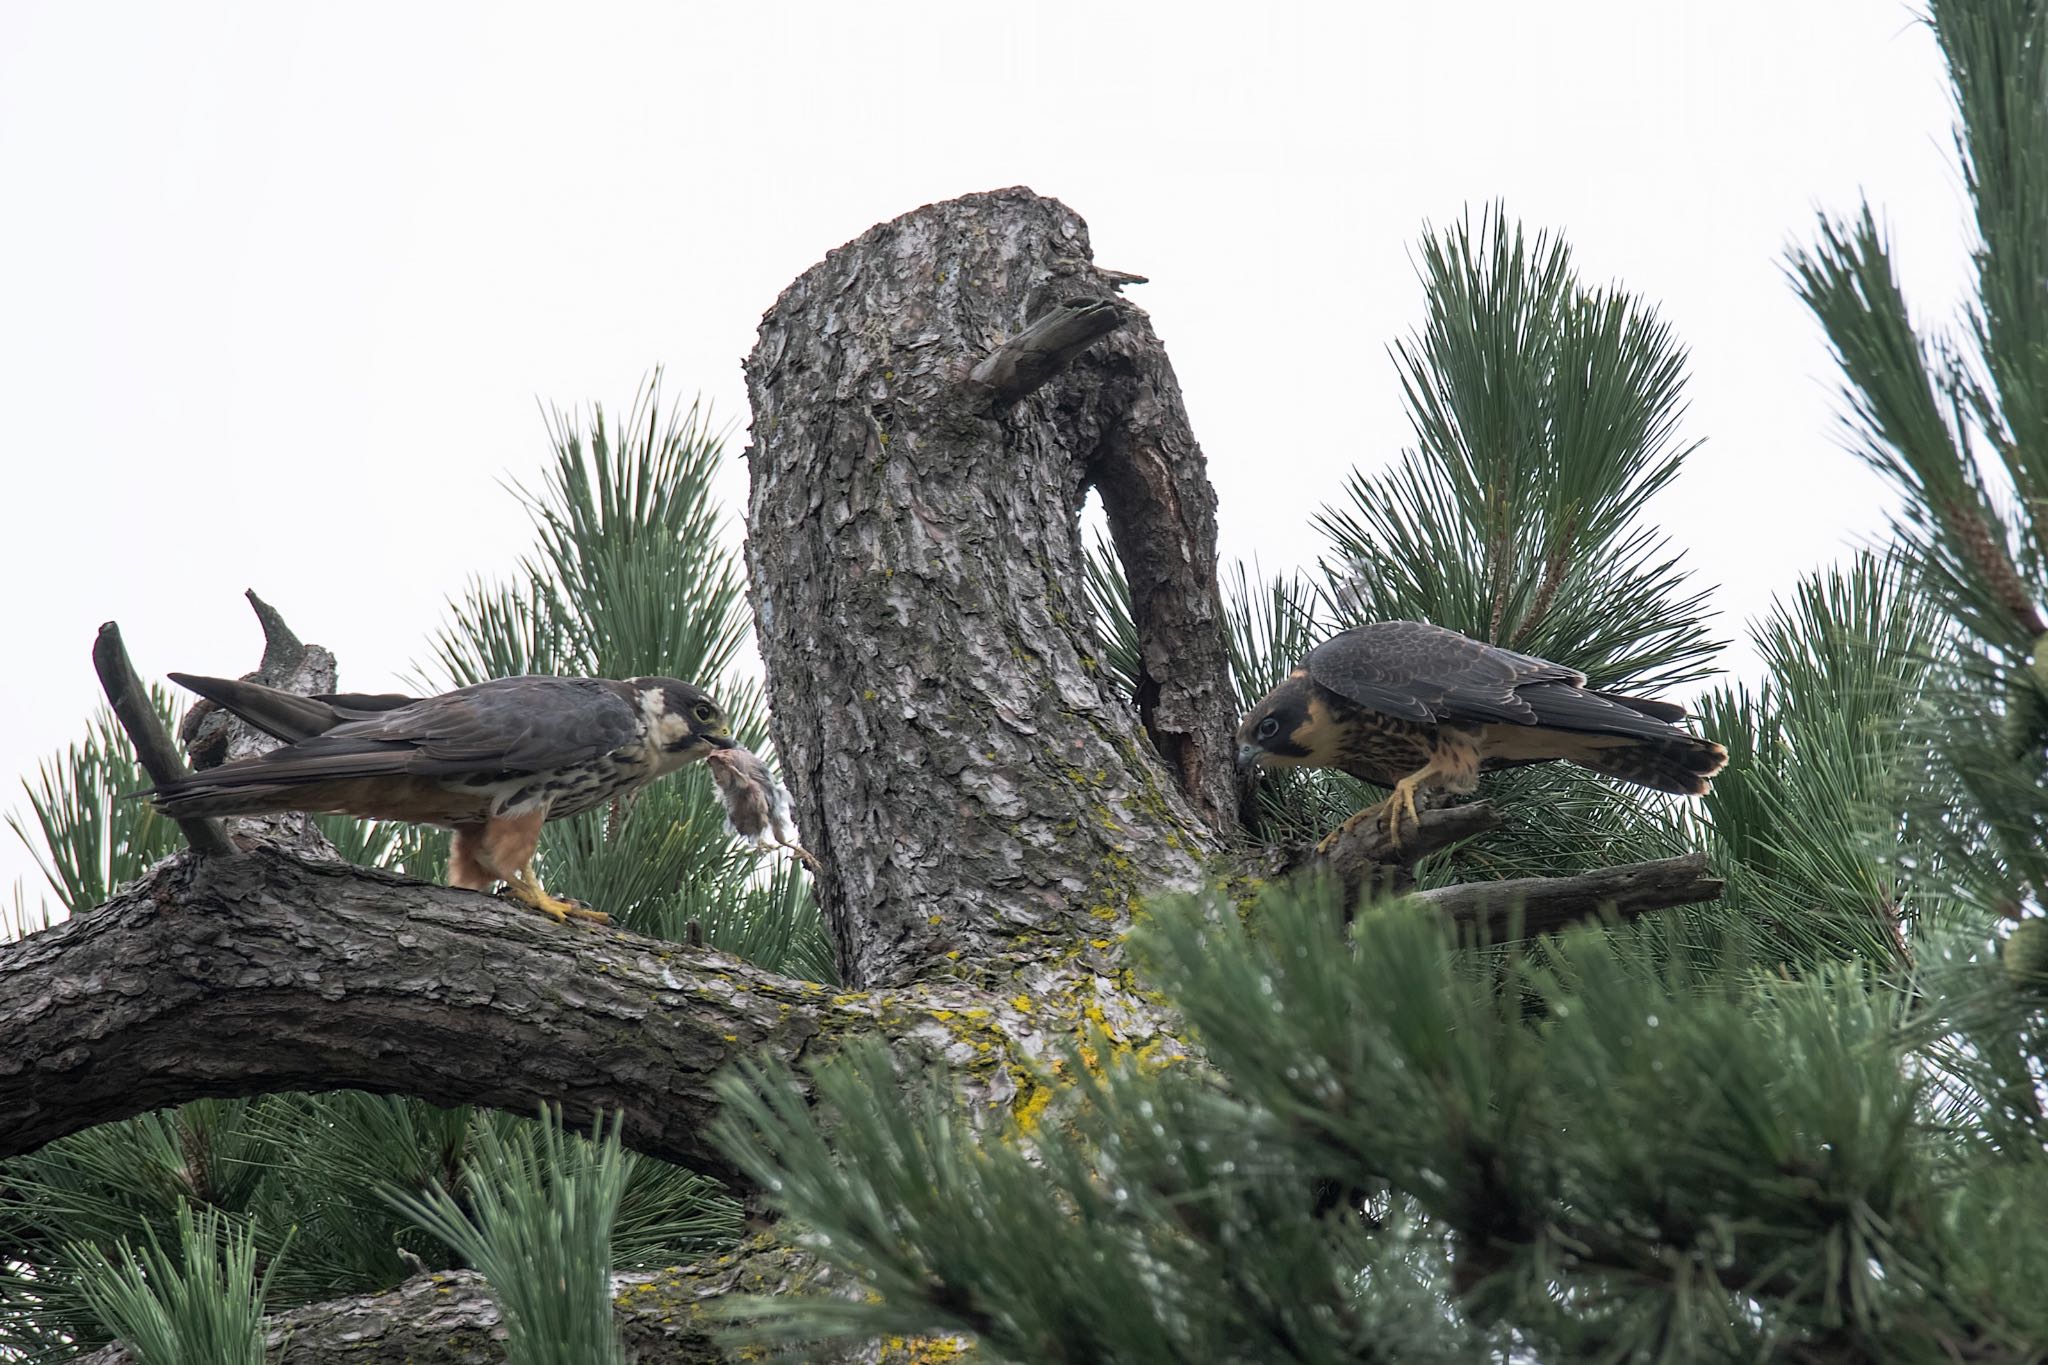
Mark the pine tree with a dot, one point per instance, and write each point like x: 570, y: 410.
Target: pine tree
x: 1802, y: 1124
x: 1098, y: 1088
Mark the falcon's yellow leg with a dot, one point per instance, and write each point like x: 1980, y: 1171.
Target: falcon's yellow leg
x: 1389, y: 810
x: 527, y: 890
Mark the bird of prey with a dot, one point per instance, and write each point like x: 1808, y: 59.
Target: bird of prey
x: 492, y: 762
x: 1410, y: 706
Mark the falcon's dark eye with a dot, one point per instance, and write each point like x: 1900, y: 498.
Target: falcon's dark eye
x: 1268, y: 728
x: 705, y: 712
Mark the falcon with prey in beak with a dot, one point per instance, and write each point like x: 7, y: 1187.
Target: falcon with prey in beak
x: 493, y: 762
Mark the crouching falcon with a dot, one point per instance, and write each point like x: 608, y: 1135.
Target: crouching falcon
x: 492, y: 762
x: 1412, y: 706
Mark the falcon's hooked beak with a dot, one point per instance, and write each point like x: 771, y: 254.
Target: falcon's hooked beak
x: 721, y: 741
x: 1278, y: 730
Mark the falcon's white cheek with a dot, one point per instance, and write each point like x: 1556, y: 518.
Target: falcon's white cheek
x: 665, y: 730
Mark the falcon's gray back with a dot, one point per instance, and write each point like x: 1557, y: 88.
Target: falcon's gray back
x: 1418, y: 672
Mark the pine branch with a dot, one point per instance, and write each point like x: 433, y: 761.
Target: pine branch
x: 202, y: 1301
x: 450, y: 1318
x: 1366, y: 857
x: 1528, y: 906
x: 1545, y: 416
x: 536, y: 1217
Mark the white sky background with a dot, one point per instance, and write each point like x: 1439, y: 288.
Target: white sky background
x: 280, y: 285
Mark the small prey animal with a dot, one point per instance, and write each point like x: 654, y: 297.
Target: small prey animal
x: 756, y: 804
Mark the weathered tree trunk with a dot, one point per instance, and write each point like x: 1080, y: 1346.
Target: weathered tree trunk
x: 978, y: 793
x: 931, y: 405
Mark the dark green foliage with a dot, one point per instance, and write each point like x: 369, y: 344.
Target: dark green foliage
x: 1605, y: 1151
x: 88, y: 837
x: 1962, y: 430
x: 536, y: 1215
x: 1814, y: 820
x: 127, y: 1181
x: 1545, y: 417
x: 1114, y: 1239
x: 631, y: 576
x: 201, y: 1304
x: 1957, y: 421
x: 307, y: 1179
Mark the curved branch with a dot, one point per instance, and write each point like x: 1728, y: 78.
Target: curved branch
x: 1526, y: 906
x: 1368, y: 860
x: 1161, y: 508
x: 1520, y: 907
x: 153, y: 748
x: 257, y: 973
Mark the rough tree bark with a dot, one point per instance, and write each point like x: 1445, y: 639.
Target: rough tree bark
x: 976, y: 790
x: 932, y: 403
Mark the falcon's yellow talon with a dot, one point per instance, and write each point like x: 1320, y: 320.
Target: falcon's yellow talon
x: 1403, y: 799
x: 1387, y: 813
x: 527, y: 890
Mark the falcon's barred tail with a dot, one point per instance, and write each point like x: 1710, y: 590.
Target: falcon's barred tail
x: 1683, y: 764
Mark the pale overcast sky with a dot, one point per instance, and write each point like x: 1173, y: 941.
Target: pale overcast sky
x: 281, y: 284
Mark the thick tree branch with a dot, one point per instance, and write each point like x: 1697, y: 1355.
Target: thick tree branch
x: 241, y: 975
x: 248, y: 974
x: 1526, y: 906
x: 1368, y: 859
